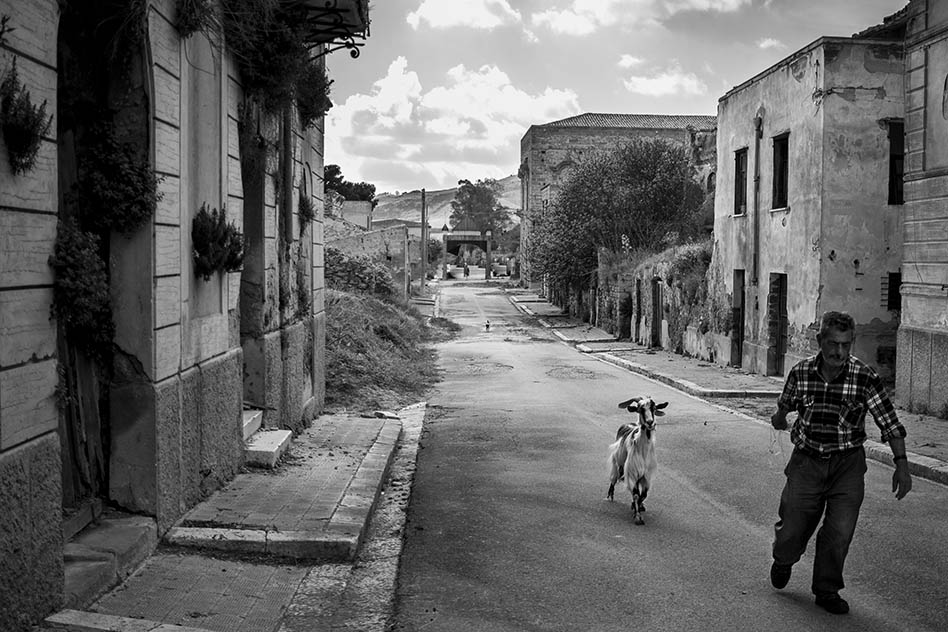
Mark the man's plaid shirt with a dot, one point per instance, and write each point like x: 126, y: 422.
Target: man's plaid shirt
x: 832, y: 415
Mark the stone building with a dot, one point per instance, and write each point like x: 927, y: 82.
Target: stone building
x: 922, y: 376
x: 154, y: 424
x: 549, y: 150
x: 808, y: 206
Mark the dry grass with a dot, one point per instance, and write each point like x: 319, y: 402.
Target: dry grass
x: 378, y: 353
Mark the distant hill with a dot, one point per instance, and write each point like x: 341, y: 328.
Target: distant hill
x: 407, y: 205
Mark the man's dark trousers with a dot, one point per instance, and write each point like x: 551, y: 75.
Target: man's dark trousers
x: 835, y: 484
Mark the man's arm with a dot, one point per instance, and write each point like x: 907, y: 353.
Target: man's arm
x: 779, y: 419
x: 901, y: 479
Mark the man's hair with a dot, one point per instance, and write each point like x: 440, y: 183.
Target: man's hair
x: 840, y: 321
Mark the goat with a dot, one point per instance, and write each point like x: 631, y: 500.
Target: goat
x: 633, y: 453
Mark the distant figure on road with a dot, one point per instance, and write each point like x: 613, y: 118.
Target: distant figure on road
x: 467, y: 271
x: 832, y: 392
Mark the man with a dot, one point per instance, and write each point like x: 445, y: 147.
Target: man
x: 831, y: 392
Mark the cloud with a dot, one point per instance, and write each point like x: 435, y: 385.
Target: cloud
x: 769, y: 42
x: 584, y: 17
x: 470, y: 126
x: 628, y: 61
x: 480, y: 14
x: 665, y: 82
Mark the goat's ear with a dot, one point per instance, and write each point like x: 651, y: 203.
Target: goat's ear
x: 661, y: 406
x: 631, y: 404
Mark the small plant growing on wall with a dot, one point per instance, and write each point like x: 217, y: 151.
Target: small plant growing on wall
x: 312, y: 93
x: 307, y: 210
x: 218, y: 245
x: 24, y: 123
x: 197, y: 15
x: 120, y: 190
x: 81, y: 288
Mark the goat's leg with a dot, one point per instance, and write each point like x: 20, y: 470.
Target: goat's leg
x: 643, y: 494
x: 636, y: 516
x: 614, y: 476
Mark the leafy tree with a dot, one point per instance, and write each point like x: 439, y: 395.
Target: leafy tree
x: 640, y: 196
x: 333, y: 181
x: 435, y: 248
x: 480, y: 202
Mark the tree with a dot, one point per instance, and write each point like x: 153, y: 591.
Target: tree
x: 480, y: 203
x: 333, y: 181
x: 640, y: 196
x: 435, y: 249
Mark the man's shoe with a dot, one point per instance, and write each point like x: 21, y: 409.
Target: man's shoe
x: 832, y: 603
x: 780, y: 574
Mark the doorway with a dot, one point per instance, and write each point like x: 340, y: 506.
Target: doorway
x: 777, y: 324
x: 738, y: 307
x: 656, y: 339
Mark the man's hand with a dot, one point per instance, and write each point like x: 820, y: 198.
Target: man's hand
x: 779, y: 419
x: 901, y: 479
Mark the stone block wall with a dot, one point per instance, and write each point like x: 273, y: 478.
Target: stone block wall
x: 390, y: 247
x: 31, y: 575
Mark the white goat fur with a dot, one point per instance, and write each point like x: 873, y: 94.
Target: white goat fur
x: 632, y: 455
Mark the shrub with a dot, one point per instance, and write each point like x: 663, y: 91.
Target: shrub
x: 81, y: 288
x: 307, y: 210
x: 312, y: 93
x: 119, y: 190
x: 218, y: 245
x: 24, y: 124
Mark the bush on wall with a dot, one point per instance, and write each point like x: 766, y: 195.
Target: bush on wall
x: 218, y: 245
x: 81, y: 300
x: 357, y: 274
x: 120, y: 189
x: 24, y: 124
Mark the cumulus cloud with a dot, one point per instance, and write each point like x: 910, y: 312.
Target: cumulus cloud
x: 481, y: 14
x: 402, y: 136
x: 583, y: 17
x: 665, y: 82
x: 630, y: 61
x: 769, y: 42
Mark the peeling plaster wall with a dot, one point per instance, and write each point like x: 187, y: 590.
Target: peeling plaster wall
x: 831, y: 97
x: 788, y: 244
x: 861, y: 241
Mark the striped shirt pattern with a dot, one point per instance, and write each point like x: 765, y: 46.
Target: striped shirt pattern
x: 832, y: 415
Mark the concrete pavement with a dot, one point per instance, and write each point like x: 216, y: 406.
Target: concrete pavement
x: 238, y: 561
x: 927, y: 440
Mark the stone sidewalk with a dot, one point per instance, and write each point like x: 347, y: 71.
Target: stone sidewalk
x: 237, y: 561
x: 927, y: 440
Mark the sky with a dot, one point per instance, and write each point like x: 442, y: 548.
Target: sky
x: 444, y: 90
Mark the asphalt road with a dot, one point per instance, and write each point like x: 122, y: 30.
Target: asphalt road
x: 508, y: 528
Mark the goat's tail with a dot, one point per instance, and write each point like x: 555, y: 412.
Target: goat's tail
x: 617, y: 455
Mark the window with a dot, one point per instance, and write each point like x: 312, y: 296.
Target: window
x: 896, y: 161
x: 894, y: 292
x: 740, y: 181
x: 781, y: 170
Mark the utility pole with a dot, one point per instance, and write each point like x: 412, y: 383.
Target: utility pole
x: 424, y: 241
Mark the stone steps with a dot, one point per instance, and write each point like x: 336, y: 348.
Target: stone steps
x: 263, y: 447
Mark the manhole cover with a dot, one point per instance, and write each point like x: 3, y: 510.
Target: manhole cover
x: 478, y: 368
x: 571, y: 373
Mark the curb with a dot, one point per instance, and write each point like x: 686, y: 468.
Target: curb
x: 919, y: 465
x: 339, y: 541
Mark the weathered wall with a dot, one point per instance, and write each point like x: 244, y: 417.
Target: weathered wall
x: 861, y: 241
x: 783, y: 98
x: 922, y: 349
x: 31, y: 575
x: 832, y: 97
x: 390, y: 247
